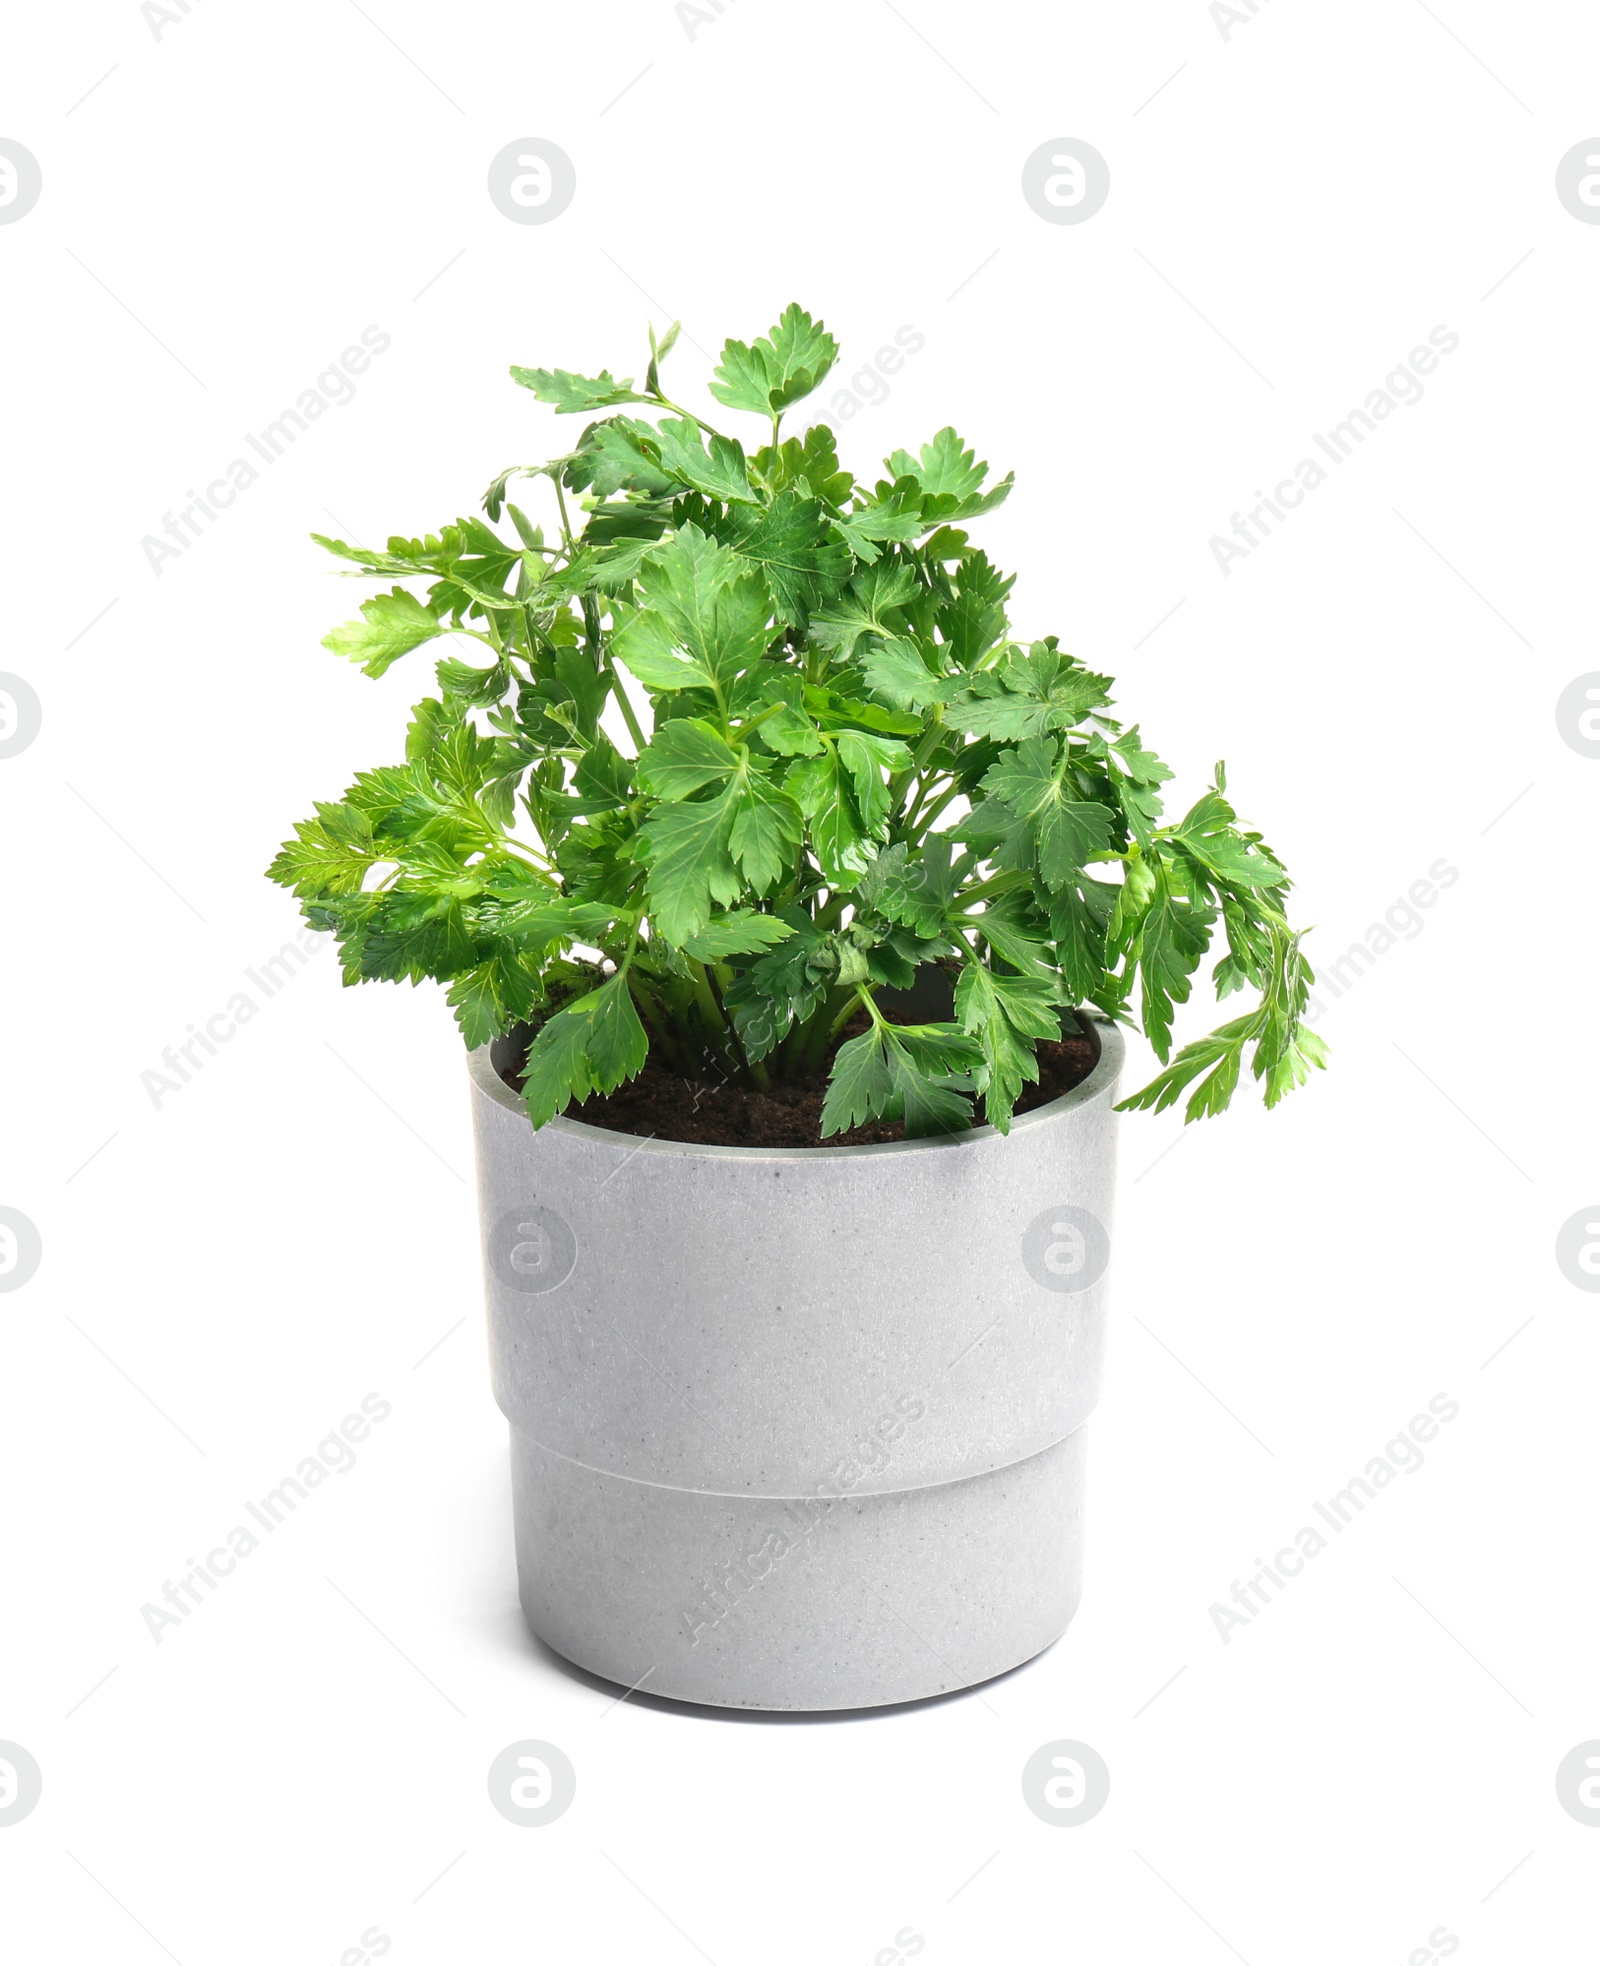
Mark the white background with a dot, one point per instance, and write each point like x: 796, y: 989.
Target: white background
x: 1373, y: 1757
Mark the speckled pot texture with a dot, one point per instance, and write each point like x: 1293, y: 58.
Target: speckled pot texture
x: 803, y: 1428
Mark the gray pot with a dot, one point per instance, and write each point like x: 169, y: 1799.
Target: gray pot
x: 798, y: 1428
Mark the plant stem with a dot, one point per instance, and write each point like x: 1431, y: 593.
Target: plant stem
x: 754, y: 1072
x: 828, y: 1024
x: 711, y: 1012
x: 1004, y: 883
x: 926, y: 819
x: 667, y: 403
x: 653, y: 1016
x: 601, y: 656
x: 623, y: 704
x: 561, y: 502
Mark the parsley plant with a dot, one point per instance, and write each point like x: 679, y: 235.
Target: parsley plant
x: 838, y: 766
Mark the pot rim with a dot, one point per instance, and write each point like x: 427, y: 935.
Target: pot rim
x: 1108, y: 1065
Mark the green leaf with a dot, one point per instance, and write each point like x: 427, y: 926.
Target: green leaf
x: 617, y: 1043
x: 1301, y: 1052
x: 477, y: 687
x: 741, y: 933
x: 998, y: 834
x: 1029, y: 696
x: 1219, y: 1056
x: 494, y: 498
x: 767, y: 830
x: 867, y: 757
x: 687, y: 848
x: 915, y: 1074
x: 1285, y: 1051
x: 685, y: 755
x: 376, y: 562
x: 329, y: 855
x: 1172, y: 939
x: 894, y: 517
x: 618, y: 455
x: 572, y: 393
x: 919, y: 893
x: 790, y: 734
x: 791, y: 542
x: 1207, y: 832
x: 392, y: 625
x: 478, y: 564
x: 1133, y: 898
x: 490, y: 998
x: 1250, y: 945
x: 896, y: 671
x: 659, y: 351
x: 721, y: 474
x: 809, y: 464
x: 1079, y: 913
x: 950, y: 478
x: 591, y: 1046
x: 1032, y: 781
x: 930, y: 1109
x: 823, y: 789
x: 861, y: 1085
x: 411, y: 936
x: 1007, y: 1015
x: 648, y: 645
x: 1143, y: 766
x: 871, y: 605
x: 557, y: 1069
x: 1135, y: 774
x: 604, y: 778
x: 945, y: 465
x: 477, y: 1009
x: 1015, y: 933
x: 705, y: 615
x: 973, y: 616
x: 535, y: 921
x: 834, y: 711
x: 777, y: 369
x: 776, y: 989
x: 614, y: 571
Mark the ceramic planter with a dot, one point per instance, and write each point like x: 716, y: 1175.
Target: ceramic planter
x: 798, y: 1428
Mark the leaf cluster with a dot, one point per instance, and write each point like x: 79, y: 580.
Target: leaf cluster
x: 743, y: 742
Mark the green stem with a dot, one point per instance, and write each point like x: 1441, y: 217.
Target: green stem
x: 827, y: 1025
x: 754, y: 1073
x: 710, y: 1009
x: 623, y: 704
x: 653, y: 1016
x: 667, y: 403
x: 755, y: 723
x: 925, y: 820
x: 931, y: 741
x: 506, y: 844
x: 561, y: 502
x: 1005, y: 883
x: 865, y: 996
x: 600, y: 654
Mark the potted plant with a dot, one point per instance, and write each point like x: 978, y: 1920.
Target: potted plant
x: 789, y: 908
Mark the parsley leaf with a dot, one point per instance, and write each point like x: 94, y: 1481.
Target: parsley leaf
x: 778, y: 368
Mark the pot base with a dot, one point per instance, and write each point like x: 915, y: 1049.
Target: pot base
x: 804, y: 1604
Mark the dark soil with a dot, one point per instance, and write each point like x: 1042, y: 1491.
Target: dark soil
x: 660, y: 1105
